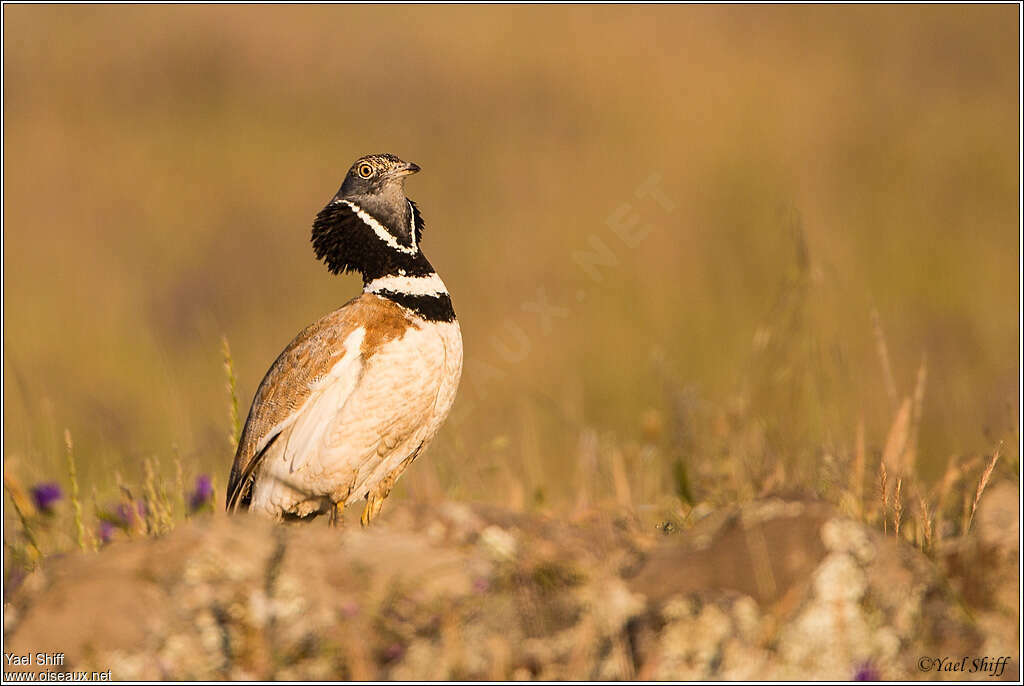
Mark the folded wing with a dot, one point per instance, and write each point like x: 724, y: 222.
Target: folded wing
x: 285, y: 390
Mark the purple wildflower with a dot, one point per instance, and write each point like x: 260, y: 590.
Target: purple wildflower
x: 867, y: 671
x: 393, y: 652
x: 105, y: 532
x: 45, y: 495
x: 124, y: 515
x: 202, y: 494
x: 15, y: 577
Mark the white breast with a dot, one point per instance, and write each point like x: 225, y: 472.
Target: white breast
x: 451, y: 338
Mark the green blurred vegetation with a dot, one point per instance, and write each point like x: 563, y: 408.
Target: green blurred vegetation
x: 815, y: 164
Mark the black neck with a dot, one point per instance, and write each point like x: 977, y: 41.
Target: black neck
x: 383, y: 246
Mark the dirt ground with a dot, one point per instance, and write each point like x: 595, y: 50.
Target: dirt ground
x: 775, y: 589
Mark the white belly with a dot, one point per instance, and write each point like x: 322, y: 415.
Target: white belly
x: 344, y: 446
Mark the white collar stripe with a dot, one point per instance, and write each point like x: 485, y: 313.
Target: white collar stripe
x: 379, y: 229
x: 430, y: 284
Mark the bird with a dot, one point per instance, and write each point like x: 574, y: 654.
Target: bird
x: 359, y: 394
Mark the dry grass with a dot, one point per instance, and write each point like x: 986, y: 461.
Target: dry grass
x: 699, y: 254
x: 232, y: 383
x: 76, y: 504
x: 982, y: 484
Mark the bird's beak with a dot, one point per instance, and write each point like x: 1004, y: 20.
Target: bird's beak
x: 406, y: 169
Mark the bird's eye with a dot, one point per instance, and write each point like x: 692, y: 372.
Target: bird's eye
x: 365, y: 170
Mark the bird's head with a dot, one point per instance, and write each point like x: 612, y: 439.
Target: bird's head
x: 376, y: 183
x: 369, y: 225
x: 377, y: 175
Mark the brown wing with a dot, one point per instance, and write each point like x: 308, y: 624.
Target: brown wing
x: 288, y: 383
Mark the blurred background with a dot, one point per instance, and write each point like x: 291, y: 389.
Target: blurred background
x: 688, y: 246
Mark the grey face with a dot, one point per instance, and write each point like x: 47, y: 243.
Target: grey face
x: 376, y: 183
x: 376, y: 175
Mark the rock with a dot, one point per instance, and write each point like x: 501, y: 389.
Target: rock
x: 772, y: 590
x: 982, y: 570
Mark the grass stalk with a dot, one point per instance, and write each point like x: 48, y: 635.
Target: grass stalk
x: 883, y: 356
x: 883, y: 492
x: 76, y: 503
x: 859, y: 460
x: 232, y: 386
x: 179, y: 486
x: 926, y: 525
x: 982, y: 484
x: 897, y: 507
x: 21, y: 503
x: 157, y: 518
